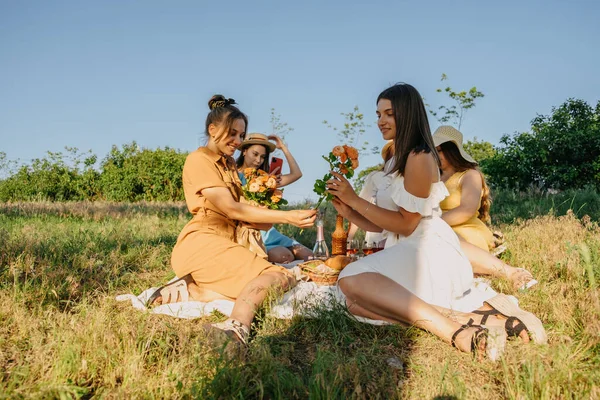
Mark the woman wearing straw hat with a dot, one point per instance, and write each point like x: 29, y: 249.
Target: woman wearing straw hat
x: 466, y: 209
x: 254, y: 153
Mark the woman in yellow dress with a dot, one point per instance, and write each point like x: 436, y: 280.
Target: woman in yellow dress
x: 467, y: 207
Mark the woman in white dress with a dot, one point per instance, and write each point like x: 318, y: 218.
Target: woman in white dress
x: 422, y: 277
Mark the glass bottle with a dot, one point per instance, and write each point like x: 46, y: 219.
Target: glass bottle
x: 320, y: 250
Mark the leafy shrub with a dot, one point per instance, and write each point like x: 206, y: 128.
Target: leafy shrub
x: 562, y: 151
x: 126, y: 174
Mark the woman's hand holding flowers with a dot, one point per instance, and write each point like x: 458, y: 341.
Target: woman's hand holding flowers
x: 342, y: 208
x: 339, y: 187
x: 343, y: 160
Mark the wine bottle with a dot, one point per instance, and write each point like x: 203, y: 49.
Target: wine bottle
x: 320, y: 250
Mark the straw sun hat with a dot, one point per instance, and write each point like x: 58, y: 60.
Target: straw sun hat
x: 257, y: 138
x: 446, y: 133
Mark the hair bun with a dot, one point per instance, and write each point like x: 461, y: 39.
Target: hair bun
x: 218, y: 100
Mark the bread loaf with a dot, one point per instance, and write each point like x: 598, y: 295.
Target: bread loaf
x: 338, y: 262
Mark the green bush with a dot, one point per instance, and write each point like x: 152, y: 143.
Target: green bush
x: 57, y: 177
x: 562, y: 151
x: 127, y: 174
x: 133, y: 174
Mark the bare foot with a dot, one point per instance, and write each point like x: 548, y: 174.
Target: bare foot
x: 519, y: 277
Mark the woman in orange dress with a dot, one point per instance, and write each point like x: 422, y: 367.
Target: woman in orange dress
x: 210, y: 263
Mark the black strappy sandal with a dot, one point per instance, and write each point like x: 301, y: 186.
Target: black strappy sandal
x: 475, y: 339
x: 511, y: 329
x: 494, y: 340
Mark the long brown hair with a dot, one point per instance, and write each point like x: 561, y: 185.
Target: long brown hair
x: 454, y: 158
x: 412, y: 126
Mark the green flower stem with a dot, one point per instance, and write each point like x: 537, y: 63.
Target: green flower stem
x: 319, y: 202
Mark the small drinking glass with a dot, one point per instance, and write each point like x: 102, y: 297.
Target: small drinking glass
x: 367, y: 248
x: 352, y: 248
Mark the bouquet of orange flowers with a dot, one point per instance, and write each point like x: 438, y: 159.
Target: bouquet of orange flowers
x: 261, y: 189
x: 343, y: 160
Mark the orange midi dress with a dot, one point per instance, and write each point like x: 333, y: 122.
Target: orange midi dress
x: 206, y: 247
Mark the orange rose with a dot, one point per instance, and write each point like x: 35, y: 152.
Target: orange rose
x: 343, y: 170
x: 249, y: 172
x: 354, y: 163
x: 276, y: 197
x: 352, y: 152
x: 253, y: 187
x: 262, y: 179
x: 262, y: 189
x: 271, y: 183
x: 338, y: 151
x: 343, y: 157
x: 261, y: 172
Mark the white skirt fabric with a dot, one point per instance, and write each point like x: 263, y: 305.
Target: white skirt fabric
x: 429, y: 262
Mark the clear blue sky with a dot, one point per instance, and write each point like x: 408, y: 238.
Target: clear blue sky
x: 93, y: 74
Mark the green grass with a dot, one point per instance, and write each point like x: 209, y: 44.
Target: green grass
x: 509, y: 205
x: 62, y: 334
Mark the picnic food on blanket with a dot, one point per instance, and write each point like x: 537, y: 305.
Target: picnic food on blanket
x: 325, y: 273
x: 261, y: 189
x: 338, y: 262
x: 319, y: 273
x: 343, y: 160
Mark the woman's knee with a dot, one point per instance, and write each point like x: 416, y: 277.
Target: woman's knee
x: 349, y: 286
x: 301, y: 252
x: 281, y: 280
x: 280, y: 255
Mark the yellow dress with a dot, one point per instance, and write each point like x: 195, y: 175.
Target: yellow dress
x: 473, y: 230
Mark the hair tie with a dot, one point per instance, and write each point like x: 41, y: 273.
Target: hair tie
x: 223, y: 103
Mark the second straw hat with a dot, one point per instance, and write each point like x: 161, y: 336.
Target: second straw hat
x: 257, y: 138
x: 447, y: 133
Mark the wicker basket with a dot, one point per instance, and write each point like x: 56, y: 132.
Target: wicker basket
x: 319, y: 278
x: 322, y: 280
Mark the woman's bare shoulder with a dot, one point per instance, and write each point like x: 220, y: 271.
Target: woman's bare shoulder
x: 420, y: 172
x: 423, y: 164
x: 472, y: 177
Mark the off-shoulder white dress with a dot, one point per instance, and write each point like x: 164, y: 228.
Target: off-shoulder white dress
x: 429, y: 262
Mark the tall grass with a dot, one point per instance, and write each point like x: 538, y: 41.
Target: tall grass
x: 509, y: 205
x: 62, y: 334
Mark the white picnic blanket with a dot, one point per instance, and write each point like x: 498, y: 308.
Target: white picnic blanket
x: 302, y: 300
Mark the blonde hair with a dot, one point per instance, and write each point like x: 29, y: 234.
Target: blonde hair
x: 486, y: 200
